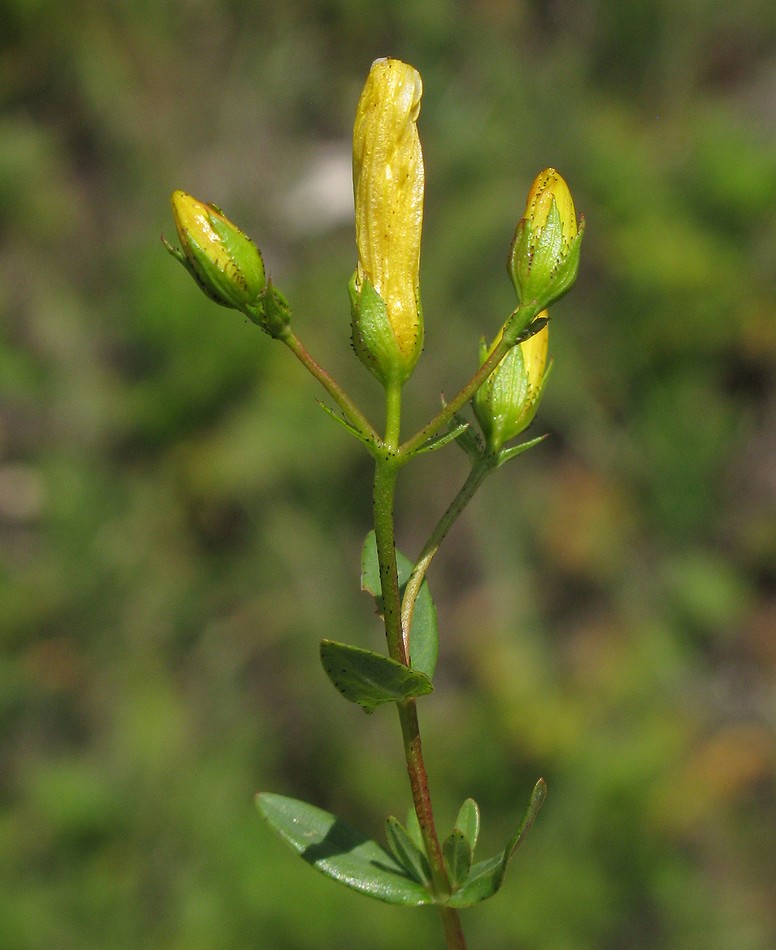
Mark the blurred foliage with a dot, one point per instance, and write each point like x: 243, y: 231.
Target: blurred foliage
x: 180, y: 523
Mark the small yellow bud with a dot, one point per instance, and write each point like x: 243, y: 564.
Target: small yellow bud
x: 388, y: 182
x: 223, y: 260
x: 544, y: 258
x: 507, y: 401
x: 226, y: 264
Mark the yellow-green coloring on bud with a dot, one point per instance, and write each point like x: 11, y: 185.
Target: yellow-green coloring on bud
x: 507, y: 401
x: 544, y: 257
x: 388, y: 183
x: 225, y: 263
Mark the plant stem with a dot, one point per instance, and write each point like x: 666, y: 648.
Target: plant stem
x: 352, y: 413
x: 387, y: 464
x: 476, y: 476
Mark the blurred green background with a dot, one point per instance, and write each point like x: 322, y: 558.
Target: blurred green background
x: 180, y: 523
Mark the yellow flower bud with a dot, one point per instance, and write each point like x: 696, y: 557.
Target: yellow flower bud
x: 223, y: 260
x: 388, y: 186
x: 226, y: 264
x: 507, y: 401
x: 544, y: 258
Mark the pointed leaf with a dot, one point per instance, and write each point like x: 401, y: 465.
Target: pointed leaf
x: 340, y: 851
x: 370, y: 679
x: 406, y: 852
x: 506, y: 454
x: 458, y: 857
x: 436, y: 442
x: 344, y: 422
x: 424, y: 639
x: 468, y: 821
x: 538, y: 795
x: 413, y: 828
x: 486, y: 877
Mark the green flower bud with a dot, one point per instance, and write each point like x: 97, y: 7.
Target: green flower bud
x: 225, y: 263
x: 544, y: 257
x: 507, y: 401
x: 388, y: 184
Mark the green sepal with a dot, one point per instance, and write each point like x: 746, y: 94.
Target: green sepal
x: 374, y: 341
x: 341, y: 852
x: 424, y: 639
x: 370, y: 679
x: 486, y: 877
x: 271, y: 312
x: 407, y: 852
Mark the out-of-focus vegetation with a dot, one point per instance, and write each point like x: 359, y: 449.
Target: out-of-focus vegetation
x: 180, y: 523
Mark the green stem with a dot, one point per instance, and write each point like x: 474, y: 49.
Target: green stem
x: 523, y: 316
x: 386, y: 473
x: 476, y: 476
x: 352, y: 413
x: 387, y: 465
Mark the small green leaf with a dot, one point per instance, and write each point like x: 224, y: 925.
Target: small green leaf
x: 344, y: 423
x: 436, y: 442
x: 413, y: 828
x: 370, y: 679
x: 340, y: 851
x: 458, y: 857
x: 406, y: 852
x: 468, y: 821
x: 486, y: 877
x: 505, y: 455
x: 424, y: 638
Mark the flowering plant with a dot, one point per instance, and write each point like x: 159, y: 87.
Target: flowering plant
x: 419, y: 866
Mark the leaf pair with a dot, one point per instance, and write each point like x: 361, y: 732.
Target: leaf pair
x: 371, y: 679
x: 403, y: 876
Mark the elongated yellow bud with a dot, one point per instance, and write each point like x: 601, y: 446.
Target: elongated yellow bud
x: 388, y: 186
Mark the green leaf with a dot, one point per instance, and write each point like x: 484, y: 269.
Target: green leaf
x: 458, y: 857
x: 424, y: 638
x: 505, y: 455
x: 406, y: 851
x: 370, y: 679
x: 413, y: 828
x: 486, y: 877
x: 468, y: 821
x: 340, y: 851
x: 436, y: 442
x: 344, y: 423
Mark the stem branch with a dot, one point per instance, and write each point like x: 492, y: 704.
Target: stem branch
x: 352, y: 413
x: 476, y: 476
